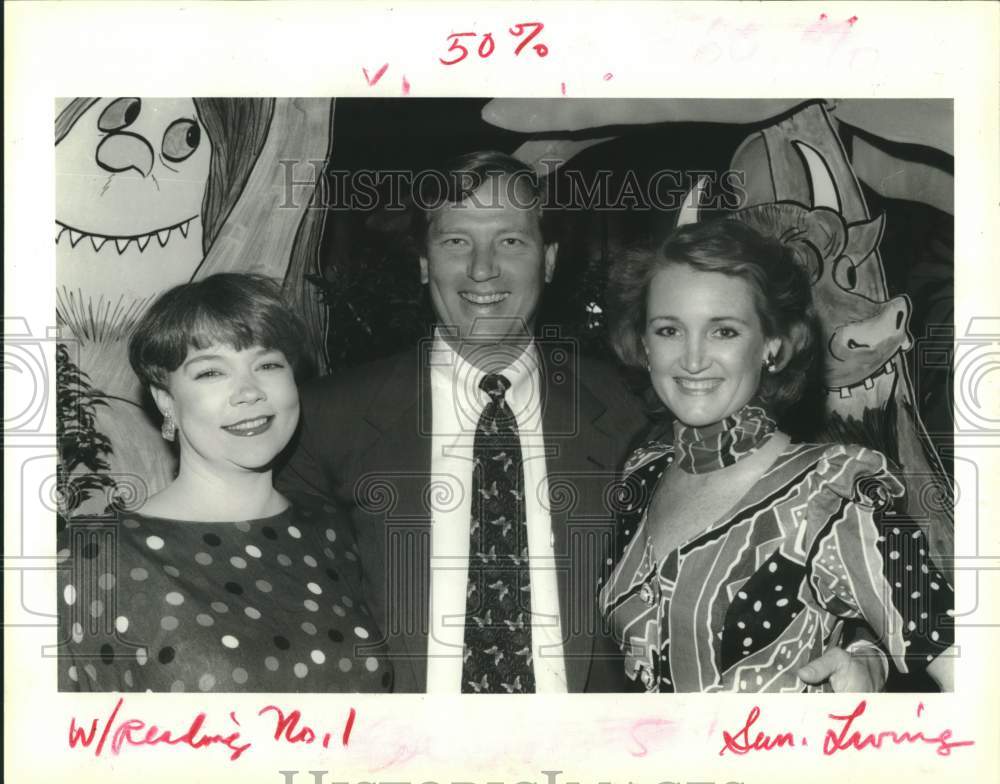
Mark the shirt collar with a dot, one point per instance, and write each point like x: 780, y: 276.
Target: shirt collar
x: 449, y: 367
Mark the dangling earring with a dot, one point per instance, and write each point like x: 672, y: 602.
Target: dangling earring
x: 769, y: 363
x: 169, y: 428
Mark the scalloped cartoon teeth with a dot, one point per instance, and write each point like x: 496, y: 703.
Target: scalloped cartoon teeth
x: 98, y: 241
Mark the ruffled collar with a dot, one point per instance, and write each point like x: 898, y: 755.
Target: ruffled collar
x: 698, y: 450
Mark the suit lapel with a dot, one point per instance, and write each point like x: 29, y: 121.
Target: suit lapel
x: 579, y: 456
x: 396, y: 465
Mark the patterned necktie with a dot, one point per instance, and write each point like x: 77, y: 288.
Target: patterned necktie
x: 497, y: 653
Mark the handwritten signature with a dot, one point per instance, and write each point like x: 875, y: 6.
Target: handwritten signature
x: 115, y: 734
x: 844, y: 737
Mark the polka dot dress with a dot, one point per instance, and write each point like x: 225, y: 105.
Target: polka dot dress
x: 269, y: 605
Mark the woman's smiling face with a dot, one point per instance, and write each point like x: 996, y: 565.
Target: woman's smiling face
x: 705, y: 343
x: 233, y: 409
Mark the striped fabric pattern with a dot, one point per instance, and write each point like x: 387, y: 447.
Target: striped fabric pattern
x: 744, y: 604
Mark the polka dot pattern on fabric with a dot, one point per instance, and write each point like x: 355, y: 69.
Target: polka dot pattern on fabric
x: 752, y: 624
x: 232, y: 607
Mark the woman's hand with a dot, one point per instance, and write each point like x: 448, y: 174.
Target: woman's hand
x: 860, y: 668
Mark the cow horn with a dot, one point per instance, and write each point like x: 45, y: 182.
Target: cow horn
x: 689, y: 209
x: 863, y: 238
x: 824, y: 190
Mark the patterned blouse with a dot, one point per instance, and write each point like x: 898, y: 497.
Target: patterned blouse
x: 744, y: 604
x: 269, y: 605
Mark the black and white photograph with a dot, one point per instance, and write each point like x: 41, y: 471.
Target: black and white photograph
x: 690, y: 343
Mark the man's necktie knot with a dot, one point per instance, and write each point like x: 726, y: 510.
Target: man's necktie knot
x: 495, y: 385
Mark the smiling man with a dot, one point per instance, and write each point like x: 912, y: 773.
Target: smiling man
x: 477, y: 465
x: 486, y: 258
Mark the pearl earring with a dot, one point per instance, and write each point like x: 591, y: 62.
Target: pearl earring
x: 769, y: 363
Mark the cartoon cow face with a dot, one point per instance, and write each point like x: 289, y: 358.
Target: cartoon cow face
x: 860, y: 334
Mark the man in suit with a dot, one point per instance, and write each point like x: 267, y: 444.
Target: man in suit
x: 396, y: 442
x: 488, y: 445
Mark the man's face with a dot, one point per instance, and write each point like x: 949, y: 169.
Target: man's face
x: 486, y: 264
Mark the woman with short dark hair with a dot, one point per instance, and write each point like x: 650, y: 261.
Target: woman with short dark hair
x: 744, y: 553
x: 218, y: 582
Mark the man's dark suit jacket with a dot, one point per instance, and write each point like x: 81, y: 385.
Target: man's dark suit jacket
x: 365, y: 440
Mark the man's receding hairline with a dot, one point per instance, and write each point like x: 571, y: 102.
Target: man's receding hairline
x: 431, y: 213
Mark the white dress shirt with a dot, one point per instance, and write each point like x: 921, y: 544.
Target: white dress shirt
x: 457, y: 403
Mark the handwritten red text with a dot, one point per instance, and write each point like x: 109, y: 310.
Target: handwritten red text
x: 487, y: 45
